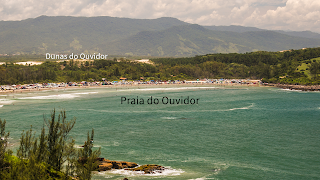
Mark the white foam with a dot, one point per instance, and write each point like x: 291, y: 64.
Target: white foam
x: 291, y: 90
x: 242, y: 107
x: 58, y: 96
x: 86, y: 93
x: 167, y: 89
x: 1, y: 106
x: 239, y: 108
x: 167, y: 172
x: 169, y: 118
x: 6, y: 101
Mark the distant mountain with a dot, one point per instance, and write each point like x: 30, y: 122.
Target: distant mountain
x: 305, y: 34
x: 241, y: 29
x: 155, y: 37
x: 189, y: 40
x: 233, y: 28
x: 56, y: 34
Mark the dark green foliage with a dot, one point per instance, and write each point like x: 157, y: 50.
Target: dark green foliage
x: 315, y: 69
x: 4, y: 165
x: 27, y: 145
x: 58, y: 138
x: 88, y: 159
x: 43, y: 157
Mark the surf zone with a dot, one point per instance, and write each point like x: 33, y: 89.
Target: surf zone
x: 164, y: 100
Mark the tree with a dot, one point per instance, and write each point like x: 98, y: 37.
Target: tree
x: 51, y: 152
x: 58, y: 139
x: 315, y: 69
x: 43, y: 157
x: 3, y: 146
x: 87, y: 159
x: 26, y: 144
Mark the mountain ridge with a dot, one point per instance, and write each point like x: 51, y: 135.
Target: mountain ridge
x: 164, y: 36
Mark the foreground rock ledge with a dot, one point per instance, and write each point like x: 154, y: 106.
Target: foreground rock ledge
x: 105, y: 164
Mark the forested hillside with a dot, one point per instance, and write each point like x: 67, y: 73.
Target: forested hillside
x: 291, y: 67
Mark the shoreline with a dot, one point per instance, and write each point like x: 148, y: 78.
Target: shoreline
x: 282, y: 86
x: 3, y: 92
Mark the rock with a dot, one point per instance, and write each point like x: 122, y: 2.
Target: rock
x: 128, y: 164
x: 117, y: 165
x: 105, y: 166
x: 101, y: 159
x: 148, y: 169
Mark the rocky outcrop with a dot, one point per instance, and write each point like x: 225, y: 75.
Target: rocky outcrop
x: 297, y: 87
x: 148, y: 169
x: 105, y: 164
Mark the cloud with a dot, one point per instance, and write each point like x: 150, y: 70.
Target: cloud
x: 295, y: 15
x: 269, y: 14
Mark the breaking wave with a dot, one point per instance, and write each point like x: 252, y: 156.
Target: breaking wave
x: 58, y: 96
x: 247, y: 107
x: 167, y: 172
x: 86, y: 93
x: 5, y: 102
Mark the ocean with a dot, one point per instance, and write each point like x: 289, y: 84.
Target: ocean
x: 199, y: 132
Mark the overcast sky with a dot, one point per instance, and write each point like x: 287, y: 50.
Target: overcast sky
x: 295, y: 15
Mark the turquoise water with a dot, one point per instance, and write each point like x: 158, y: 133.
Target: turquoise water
x: 232, y: 133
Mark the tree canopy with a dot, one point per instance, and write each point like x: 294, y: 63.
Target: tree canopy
x: 44, y: 157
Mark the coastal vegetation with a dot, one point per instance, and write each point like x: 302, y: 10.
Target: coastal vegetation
x: 288, y: 67
x: 52, y: 155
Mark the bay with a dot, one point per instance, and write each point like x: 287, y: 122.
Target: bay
x: 231, y: 133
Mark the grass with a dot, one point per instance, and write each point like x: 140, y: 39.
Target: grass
x: 304, y: 67
x: 317, y: 59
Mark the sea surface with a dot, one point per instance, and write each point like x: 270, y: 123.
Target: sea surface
x: 229, y: 133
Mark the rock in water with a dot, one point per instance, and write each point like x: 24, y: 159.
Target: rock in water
x: 105, y: 164
x: 148, y: 169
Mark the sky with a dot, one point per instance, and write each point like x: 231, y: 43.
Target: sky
x: 294, y: 15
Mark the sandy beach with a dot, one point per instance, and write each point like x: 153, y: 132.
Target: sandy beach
x: 129, y: 85
x: 228, y: 85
